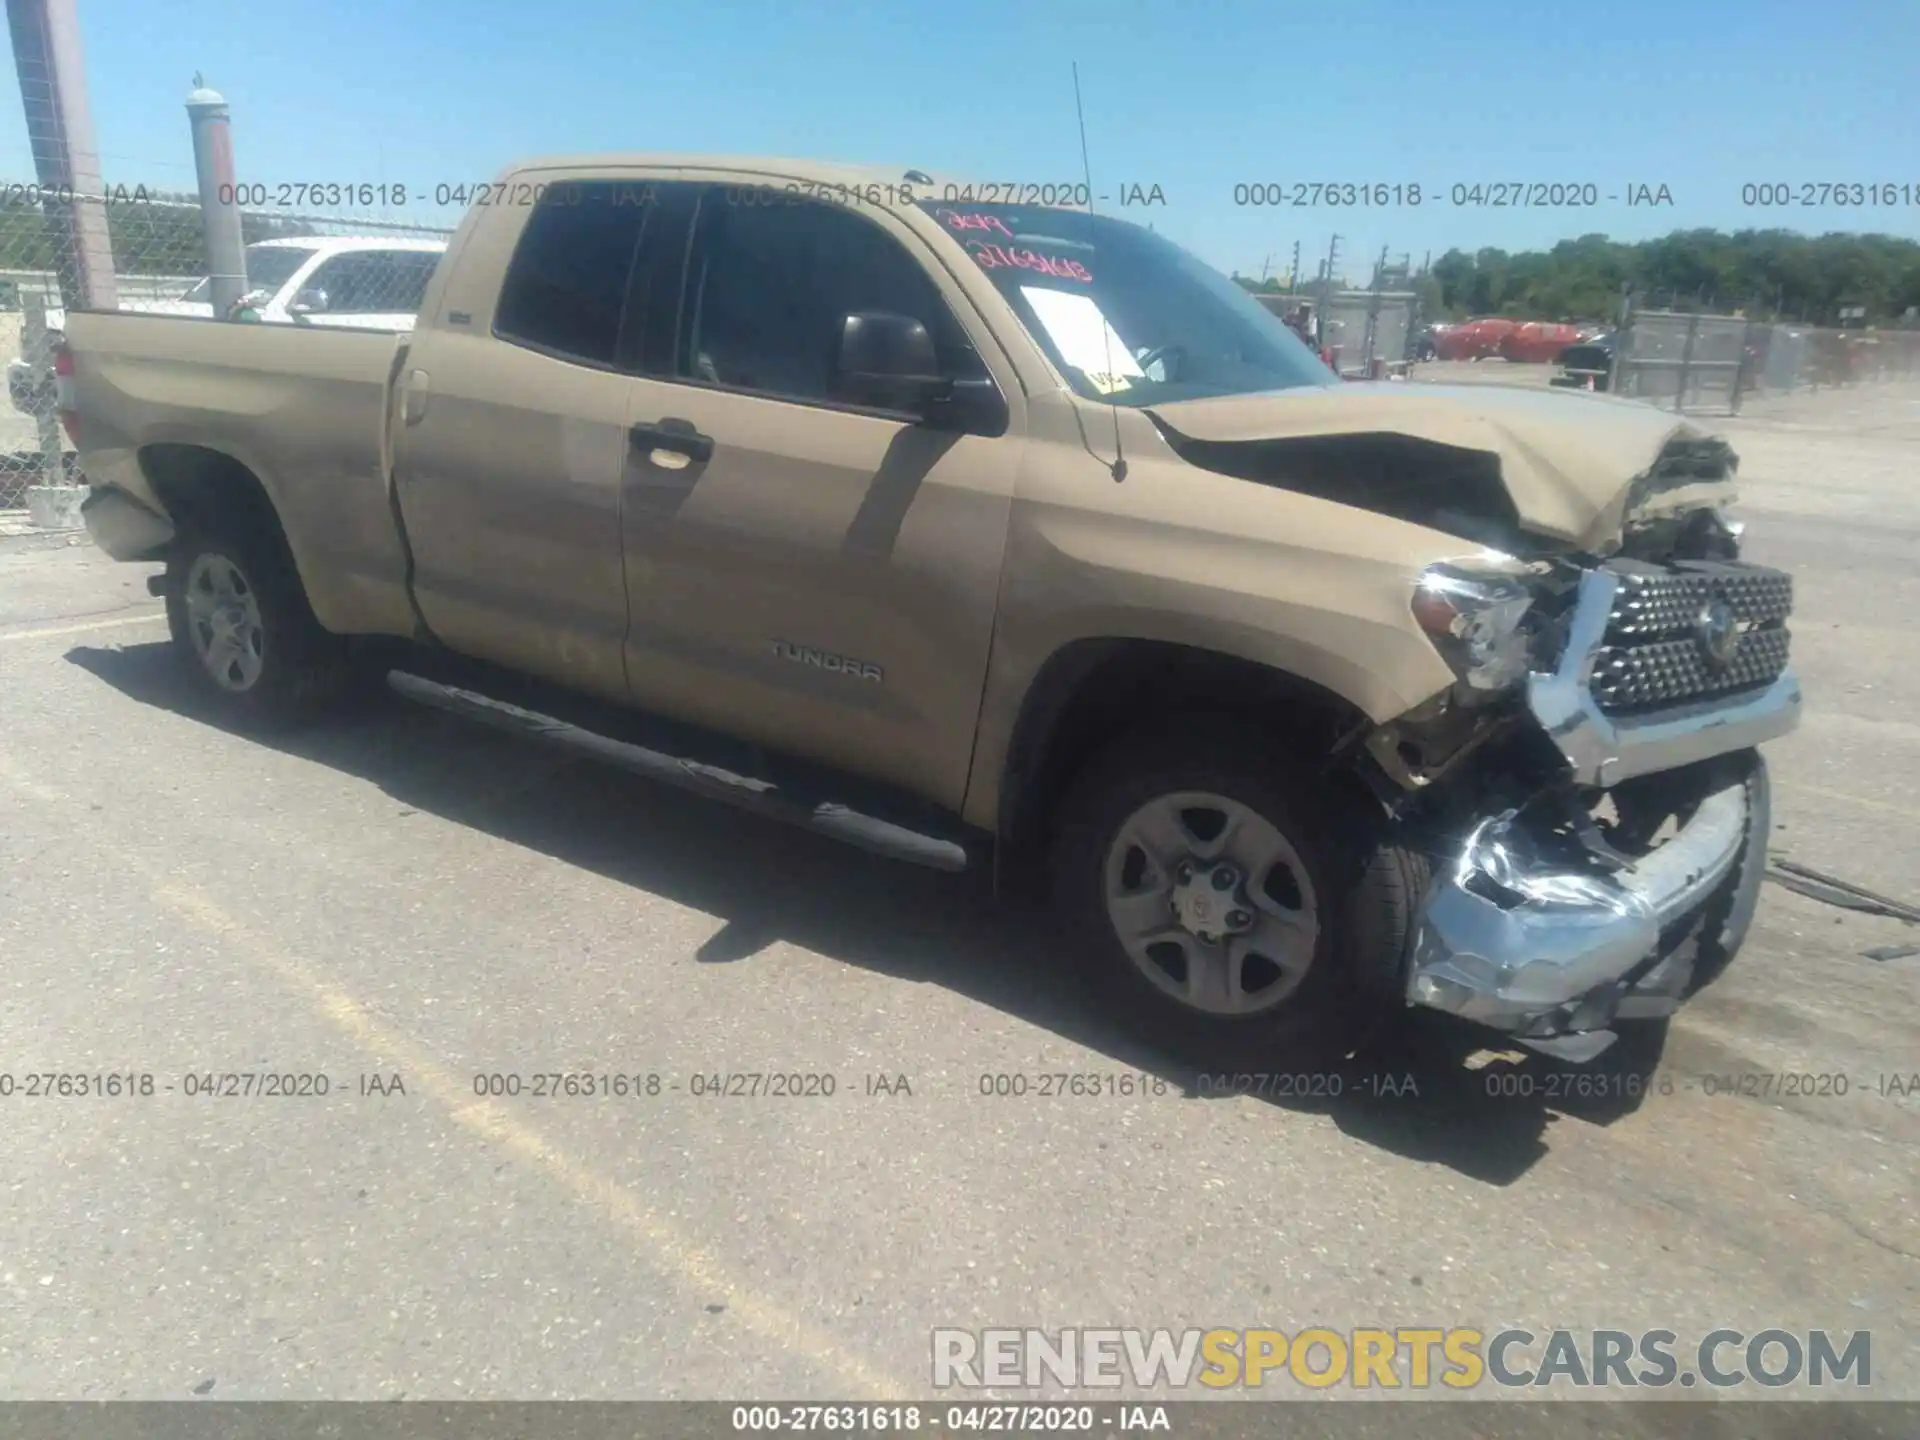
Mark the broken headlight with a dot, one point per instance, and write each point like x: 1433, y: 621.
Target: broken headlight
x: 1476, y: 613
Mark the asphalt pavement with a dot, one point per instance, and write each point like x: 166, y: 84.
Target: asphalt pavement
x: 401, y: 907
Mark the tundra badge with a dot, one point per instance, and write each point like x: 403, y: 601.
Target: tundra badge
x: 828, y: 661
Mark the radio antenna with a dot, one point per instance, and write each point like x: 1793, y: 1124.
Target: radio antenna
x: 1119, y: 468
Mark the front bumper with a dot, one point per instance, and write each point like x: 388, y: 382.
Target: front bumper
x: 1553, y: 954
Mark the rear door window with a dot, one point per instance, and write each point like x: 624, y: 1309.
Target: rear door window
x: 566, y: 288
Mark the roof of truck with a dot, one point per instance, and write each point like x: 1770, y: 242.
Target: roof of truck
x: 686, y: 160
x: 934, y: 183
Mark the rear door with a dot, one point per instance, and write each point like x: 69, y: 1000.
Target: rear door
x: 823, y: 579
x: 512, y: 444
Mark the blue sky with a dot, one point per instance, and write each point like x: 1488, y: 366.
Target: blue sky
x: 1698, y: 95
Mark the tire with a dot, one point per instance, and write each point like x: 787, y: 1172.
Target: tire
x: 1304, y: 986
x: 244, y: 632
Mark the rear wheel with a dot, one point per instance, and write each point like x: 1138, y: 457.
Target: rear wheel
x: 1232, y: 910
x: 244, y: 631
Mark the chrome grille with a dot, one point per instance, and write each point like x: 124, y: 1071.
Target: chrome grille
x: 1665, y: 602
x: 1653, y: 654
x: 1670, y: 672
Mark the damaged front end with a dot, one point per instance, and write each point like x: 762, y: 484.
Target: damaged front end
x: 1598, y: 834
x: 1598, y: 847
x: 1589, y: 792
x: 1551, y: 924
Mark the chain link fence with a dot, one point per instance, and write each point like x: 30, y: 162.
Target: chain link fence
x: 1687, y: 362
x: 1712, y: 364
x: 1364, y: 332
x: 1790, y: 358
x: 326, y: 271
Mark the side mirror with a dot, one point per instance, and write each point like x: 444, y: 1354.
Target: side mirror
x: 249, y: 302
x: 888, y: 360
x: 309, y: 302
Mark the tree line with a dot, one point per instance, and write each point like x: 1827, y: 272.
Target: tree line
x: 1771, y: 274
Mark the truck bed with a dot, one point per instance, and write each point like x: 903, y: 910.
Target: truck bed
x: 305, y: 409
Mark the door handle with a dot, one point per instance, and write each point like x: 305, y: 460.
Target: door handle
x: 418, y: 388
x: 676, y: 436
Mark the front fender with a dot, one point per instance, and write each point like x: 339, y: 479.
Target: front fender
x: 1318, y: 591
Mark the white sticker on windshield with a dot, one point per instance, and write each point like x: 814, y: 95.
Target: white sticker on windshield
x: 1078, y: 329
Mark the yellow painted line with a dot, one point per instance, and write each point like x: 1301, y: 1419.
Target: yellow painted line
x: 498, y: 1126
x: 493, y: 1123
x: 52, y: 631
x: 1906, y: 811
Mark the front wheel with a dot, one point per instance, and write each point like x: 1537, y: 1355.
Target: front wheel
x: 1231, y: 908
x: 245, y: 633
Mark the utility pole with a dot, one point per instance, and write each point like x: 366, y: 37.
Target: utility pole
x: 219, y: 202
x: 1373, y: 312
x: 1326, y: 296
x: 1293, y: 274
x: 53, y: 89
x: 53, y: 92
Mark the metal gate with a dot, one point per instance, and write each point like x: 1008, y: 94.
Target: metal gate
x: 1689, y: 363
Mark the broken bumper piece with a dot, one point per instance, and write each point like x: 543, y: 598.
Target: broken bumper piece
x: 122, y: 526
x: 1553, y: 955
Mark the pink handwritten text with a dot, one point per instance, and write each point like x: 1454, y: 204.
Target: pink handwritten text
x: 957, y: 220
x: 1000, y: 257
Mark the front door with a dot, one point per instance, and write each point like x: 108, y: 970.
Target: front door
x: 814, y: 574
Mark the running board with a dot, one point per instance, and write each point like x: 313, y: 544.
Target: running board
x: 837, y: 821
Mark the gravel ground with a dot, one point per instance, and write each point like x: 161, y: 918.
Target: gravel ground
x: 406, y: 895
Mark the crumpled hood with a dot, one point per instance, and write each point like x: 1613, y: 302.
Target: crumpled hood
x: 1569, y: 462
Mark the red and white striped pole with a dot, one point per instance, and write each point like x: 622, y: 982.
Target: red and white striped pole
x: 219, y: 202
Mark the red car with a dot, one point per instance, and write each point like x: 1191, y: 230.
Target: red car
x: 1538, y: 342
x: 1475, y: 340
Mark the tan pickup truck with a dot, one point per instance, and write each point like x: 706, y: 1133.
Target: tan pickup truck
x: 957, y: 526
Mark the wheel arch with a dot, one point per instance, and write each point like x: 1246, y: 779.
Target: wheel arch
x: 1090, y: 691
x: 213, y: 492
x: 202, y: 488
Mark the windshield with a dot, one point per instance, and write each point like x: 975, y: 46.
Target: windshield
x: 1128, y: 316
x: 268, y: 268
